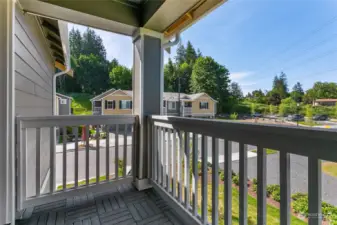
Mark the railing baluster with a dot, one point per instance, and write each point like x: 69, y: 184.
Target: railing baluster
x: 228, y: 182
x: 168, y: 160
x: 76, y: 156
x: 64, y: 139
x: 159, y: 156
x: 52, y: 162
x: 180, y: 167
x: 215, y: 180
x: 116, y: 151
x: 284, y: 165
x: 204, y: 158
x: 97, y: 155
x: 164, y: 172
x: 38, y: 161
x: 315, y: 190
x: 243, y: 184
x: 107, y: 153
x: 125, y: 154
x: 149, y: 151
x: 187, y: 169
x: 174, y: 165
x: 87, y: 155
x: 195, y: 175
x: 155, y: 153
x: 261, y: 186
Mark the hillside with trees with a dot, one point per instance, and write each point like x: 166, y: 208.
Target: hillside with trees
x: 189, y: 71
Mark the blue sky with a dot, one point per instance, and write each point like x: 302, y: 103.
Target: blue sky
x: 257, y: 39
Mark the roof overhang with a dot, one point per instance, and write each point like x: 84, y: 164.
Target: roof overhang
x: 126, y: 16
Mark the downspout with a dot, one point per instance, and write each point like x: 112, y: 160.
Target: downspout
x: 68, y: 68
x: 172, y: 43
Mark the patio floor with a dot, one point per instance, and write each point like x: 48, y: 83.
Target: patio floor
x: 123, y: 205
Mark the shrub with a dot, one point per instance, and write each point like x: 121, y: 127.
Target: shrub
x: 233, y: 116
x: 254, y: 184
x: 235, y: 179
x: 273, y: 190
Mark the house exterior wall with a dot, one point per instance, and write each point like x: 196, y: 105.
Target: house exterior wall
x: 64, y: 109
x: 331, y: 103
x: 196, y: 106
x: 34, y: 68
x: 172, y: 112
x: 117, y: 96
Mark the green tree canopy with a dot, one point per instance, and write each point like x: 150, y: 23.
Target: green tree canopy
x: 210, y: 77
x: 297, y: 93
x: 121, y: 78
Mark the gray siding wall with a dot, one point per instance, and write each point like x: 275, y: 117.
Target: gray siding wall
x: 33, y: 87
x: 64, y: 109
x: 172, y: 111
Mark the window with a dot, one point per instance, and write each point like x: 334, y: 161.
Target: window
x: 125, y: 104
x: 63, y: 101
x: 203, y: 105
x: 172, y: 105
x: 98, y: 104
x: 188, y: 104
x: 164, y: 103
x: 109, y: 104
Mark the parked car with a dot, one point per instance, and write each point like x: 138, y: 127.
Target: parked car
x: 295, y: 117
x: 320, y: 117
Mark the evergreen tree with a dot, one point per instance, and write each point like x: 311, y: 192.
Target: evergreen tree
x: 181, y: 54
x: 75, y: 43
x: 93, y: 44
x: 297, y: 93
x: 190, y: 54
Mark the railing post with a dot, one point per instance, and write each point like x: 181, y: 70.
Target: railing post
x: 148, y: 85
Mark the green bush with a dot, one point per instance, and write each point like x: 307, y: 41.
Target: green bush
x: 235, y: 179
x: 233, y: 116
x: 273, y: 191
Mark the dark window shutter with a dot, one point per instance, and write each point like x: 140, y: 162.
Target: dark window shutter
x: 207, y: 105
x: 200, y: 105
x: 130, y: 104
x: 106, y: 104
x: 120, y: 104
x: 113, y: 104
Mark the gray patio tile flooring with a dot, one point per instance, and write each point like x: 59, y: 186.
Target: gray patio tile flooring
x: 123, y: 206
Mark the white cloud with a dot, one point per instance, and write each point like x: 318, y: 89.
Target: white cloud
x: 236, y: 76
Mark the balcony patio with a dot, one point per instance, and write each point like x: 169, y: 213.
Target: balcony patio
x: 174, y: 188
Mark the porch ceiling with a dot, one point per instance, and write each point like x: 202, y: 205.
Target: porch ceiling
x: 125, y: 16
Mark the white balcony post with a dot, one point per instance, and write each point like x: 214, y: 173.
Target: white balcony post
x: 7, y: 104
x: 147, y: 86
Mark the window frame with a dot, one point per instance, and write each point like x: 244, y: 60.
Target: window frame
x: 63, y: 101
x: 203, y: 102
x: 171, y: 104
x: 121, y: 104
x: 112, y: 104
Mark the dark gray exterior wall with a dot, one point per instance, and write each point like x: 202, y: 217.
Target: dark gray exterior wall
x: 33, y: 87
x: 64, y: 109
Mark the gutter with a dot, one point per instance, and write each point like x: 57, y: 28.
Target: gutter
x: 172, y: 43
x: 63, y: 27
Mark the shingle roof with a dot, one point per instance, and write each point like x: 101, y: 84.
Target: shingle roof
x: 167, y: 96
x: 63, y: 96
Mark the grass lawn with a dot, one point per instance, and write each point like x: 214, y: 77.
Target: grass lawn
x: 268, y: 151
x: 330, y: 168
x: 308, y: 123
x: 81, y: 103
x: 272, y: 212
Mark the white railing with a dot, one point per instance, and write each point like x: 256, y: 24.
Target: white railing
x: 176, y: 142
x: 80, y: 165
x: 187, y: 111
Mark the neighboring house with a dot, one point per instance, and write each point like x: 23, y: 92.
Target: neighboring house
x: 114, y: 102
x: 63, y: 104
x: 325, y: 102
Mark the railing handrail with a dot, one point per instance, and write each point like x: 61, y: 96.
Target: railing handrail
x: 309, y: 141
x: 71, y: 120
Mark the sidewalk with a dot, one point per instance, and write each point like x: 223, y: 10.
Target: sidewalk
x: 102, y: 143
